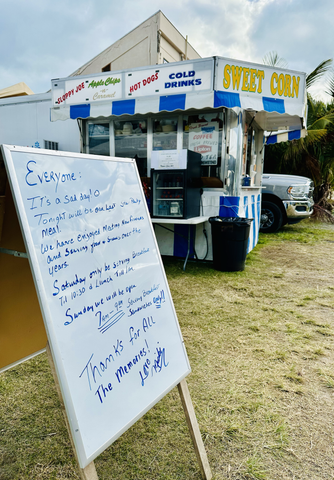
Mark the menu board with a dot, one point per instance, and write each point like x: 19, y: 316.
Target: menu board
x: 103, y: 292
x: 203, y: 139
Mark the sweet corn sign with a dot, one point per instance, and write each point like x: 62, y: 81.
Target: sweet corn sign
x: 245, y: 78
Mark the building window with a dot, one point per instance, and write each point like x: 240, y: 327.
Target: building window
x: 165, y: 133
x: 48, y: 145
x: 131, y: 142
x: 203, y: 134
x: 98, y: 138
x: 107, y: 68
x: 165, y: 61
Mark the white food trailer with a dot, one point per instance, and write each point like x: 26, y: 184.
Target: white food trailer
x: 215, y: 106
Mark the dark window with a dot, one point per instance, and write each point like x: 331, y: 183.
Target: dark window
x: 48, y: 145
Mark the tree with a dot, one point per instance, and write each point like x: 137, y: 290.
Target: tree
x: 312, y: 156
x: 272, y: 59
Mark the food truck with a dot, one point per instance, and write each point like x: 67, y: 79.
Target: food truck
x: 196, y: 130
x: 160, y: 115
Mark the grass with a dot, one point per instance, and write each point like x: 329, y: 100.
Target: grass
x: 260, y: 344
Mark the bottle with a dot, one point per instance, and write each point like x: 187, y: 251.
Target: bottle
x: 166, y: 209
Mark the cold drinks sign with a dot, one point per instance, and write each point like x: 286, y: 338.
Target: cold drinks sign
x: 104, y: 296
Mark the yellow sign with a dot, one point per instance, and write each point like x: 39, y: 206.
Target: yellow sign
x: 239, y: 77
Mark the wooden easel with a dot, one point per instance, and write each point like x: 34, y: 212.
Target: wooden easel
x: 89, y: 472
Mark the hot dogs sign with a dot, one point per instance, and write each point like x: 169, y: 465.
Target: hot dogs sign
x: 182, y: 78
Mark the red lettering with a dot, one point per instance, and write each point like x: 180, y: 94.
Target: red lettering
x: 203, y: 136
x: 134, y: 87
x: 80, y: 87
x: 70, y: 92
x: 148, y: 80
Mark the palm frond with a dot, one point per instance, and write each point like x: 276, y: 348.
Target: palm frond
x: 318, y: 72
x: 314, y: 135
x: 272, y: 59
x: 322, y: 123
x: 330, y: 85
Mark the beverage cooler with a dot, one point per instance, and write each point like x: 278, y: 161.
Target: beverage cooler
x: 175, y: 184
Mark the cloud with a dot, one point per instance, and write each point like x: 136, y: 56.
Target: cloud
x: 41, y: 40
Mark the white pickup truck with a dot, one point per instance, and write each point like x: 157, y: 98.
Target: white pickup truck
x: 285, y: 199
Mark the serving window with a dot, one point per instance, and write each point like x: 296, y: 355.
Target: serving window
x: 132, y: 137
x: 165, y: 133
x: 99, y: 138
x: 203, y: 134
x: 131, y: 142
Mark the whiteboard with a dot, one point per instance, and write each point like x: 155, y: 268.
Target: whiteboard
x: 103, y: 292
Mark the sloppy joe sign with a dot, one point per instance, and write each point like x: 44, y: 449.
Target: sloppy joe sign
x: 89, y: 89
x: 70, y: 93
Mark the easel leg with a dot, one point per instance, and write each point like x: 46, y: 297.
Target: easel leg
x: 89, y: 472
x: 194, y: 430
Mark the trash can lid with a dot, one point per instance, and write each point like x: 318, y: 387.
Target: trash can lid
x: 234, y: 220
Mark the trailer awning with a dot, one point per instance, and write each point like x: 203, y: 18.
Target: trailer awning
x: 272, y: 138
x: 136, y: 106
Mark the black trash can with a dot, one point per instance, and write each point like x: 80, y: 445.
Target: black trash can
x: 229, y: 242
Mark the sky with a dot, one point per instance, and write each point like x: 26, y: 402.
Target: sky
x: 43, y: 39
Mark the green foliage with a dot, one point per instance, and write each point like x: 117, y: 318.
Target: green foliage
x: 318, y: 72
x: 312, y: 156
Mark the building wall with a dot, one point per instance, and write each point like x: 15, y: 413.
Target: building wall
x: 178, y: 48
x: 152, y: 42
x: 25, y: 121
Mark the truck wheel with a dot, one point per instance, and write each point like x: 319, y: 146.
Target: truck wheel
x: 271, y: 217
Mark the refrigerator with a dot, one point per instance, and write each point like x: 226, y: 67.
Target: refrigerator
x: 175, y: 184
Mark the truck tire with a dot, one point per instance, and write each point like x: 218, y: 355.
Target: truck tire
x: 271, y: 217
